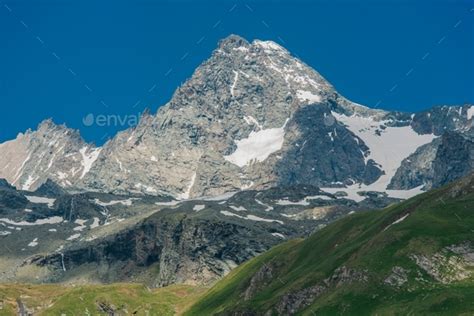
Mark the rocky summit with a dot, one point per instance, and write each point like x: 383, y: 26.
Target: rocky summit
x: 252, y: 116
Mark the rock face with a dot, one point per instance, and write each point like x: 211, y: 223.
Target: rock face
x: 50, y: 189
x: 445, y: 159
x: 251, y: 116
x: 292, y: 303
x: 52, y: 151
x: 453, y: 263
x: 10, y: 198
x: 61, y: 237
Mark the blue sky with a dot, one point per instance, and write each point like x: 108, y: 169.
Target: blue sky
x: 65, y: 59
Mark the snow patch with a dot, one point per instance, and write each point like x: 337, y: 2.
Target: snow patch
x: 397, y: 221
x: 95, y: 223
x: 42, y: 221
x: 470, y: 112
x: 267, y: 207
x: 388, y: 147
x: 251, y: 217
x: 238, y: 208
x: 258, y: 146
x: 41, y: 200
x: 288, y: 202
x: 269, y: 46
x: 72, y: 237
x: 199, y: 207
x: 232, y: 88
x: 81, y: 223
x: 241, y: 48
x: 127, y: 202
x: 278, y: 235
x: 88, y: 159
x: 33, y: 243
x: 307, y: 96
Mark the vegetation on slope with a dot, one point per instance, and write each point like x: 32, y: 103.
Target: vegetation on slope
x: 120, y: 299
x: 414, y: 257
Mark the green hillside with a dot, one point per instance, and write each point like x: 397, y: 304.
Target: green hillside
x: 415, y: 258
x: 115, y: 299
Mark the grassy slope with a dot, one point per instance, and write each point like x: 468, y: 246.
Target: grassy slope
x: 83, y: 300
x: 359, y: 241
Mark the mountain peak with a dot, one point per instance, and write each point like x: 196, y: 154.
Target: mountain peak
x: 233, y: 42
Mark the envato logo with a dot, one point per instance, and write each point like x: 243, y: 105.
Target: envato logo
x: 111, y: 119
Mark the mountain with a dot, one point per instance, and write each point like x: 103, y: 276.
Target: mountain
x: 252, y: 116
x: 416, y: 257
x: 50, y: 152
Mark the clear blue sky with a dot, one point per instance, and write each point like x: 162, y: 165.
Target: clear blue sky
x: 119, y: 52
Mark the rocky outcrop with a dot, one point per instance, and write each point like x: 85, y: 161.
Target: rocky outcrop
x: 451, y: 264
x: 50, y: 189
x: 398, y: 277
x: 290, y: 304
x: 258, y: 281
x: 173, y: 248
x: 293, y: 302
x: 10, y: 198
x: 445, y: 159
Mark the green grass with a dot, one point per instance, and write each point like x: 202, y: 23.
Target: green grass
x: 360, y: 242
x: 85, y: 300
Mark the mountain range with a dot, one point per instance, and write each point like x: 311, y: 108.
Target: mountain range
x: 252, y: 116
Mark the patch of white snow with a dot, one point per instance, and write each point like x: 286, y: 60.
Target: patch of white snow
x: 258, y: 146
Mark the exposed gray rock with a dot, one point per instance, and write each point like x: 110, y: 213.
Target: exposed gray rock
x: 398, y: 277
x: 451, y: 264
x: 50, y: 189
x: 290, y: 304
x: 293, y: 302
x: 258, y: 280
x: 445, y: 159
